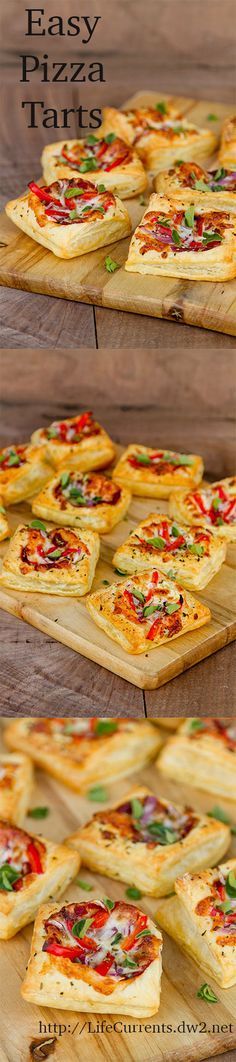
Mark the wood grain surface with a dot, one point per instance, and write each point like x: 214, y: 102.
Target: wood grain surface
x: 192, y: 54
x: 26, y: 264
x: 38, y: 674
x: 181, y: 977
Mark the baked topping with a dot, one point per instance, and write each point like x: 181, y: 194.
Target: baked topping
x: 47, y: 550
x: 216, y: 728
x: 96, y: 154
x: 182, y: 230
x: 166, y: 535
x: 110, y: 938
x: 215, y: 503
x: 190, y: 175
x: 67, y: 732
x: 7, y: 771
x: 148, y: 820
x: 13, y: 457
x: 86, y: 489
x: 160, y: 462
x: 158, y: 118
x: 159, y: 608
x: 220, y: 906
x: 67, y: 202
x: 72, y: 430
x: 20, y: 856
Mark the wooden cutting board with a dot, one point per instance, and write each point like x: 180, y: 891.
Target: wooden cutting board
x: 68, y: 620
x: 25, y: 264
x: 181, y: 978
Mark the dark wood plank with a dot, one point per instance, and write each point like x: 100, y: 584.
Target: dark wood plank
x: 208, y: 689
x: 120, y: 328
x: 28, y: 319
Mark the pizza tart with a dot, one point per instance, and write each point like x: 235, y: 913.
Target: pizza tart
x: 154, y: 473
x: 212, y: 506
x: 84, y: 752
x: 176, y: 240
x: 108, y: 161
x: 61, y: 561
x: 145, y: 611
x: 16, y: 778
x: 203, y: 752
x: 194, y: 184
x: 227, y: 151
x: 31, y: 869
x: 70, y: 217
x: 4, y: 526
x: 23, y: 471
x: 147, y: 841
x: 101, y: 956
x: 202, y: 920
x: 83, y: 499
x: 190, y: 555
x: 160, y: 135
x: 77, y: 442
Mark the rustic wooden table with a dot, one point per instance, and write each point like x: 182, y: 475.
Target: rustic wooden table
x: 189, y: 409
x: 191, y: 52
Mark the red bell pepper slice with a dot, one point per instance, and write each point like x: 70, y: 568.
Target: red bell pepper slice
x: 104, y: 966
x: 62, y: 950
x: 129, y: 598
x: 34, y: 859
x: 199, y: 501
x: 154, y: 628
x: 129, y: 941
x: 43, y: 194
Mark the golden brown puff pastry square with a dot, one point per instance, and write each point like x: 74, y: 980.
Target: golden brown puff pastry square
x: 154, y: 473
x: 147, y: 841
x: 212, y: 506
x: 178, y: 240
x: 23, y: 471
x: 109, y: 163
x: 227, y: 151
x: 31, y: 869
x: 202, y: 920
x: 61, y: 561
x: 84, y: 752
x: 146, y: 611
x: 136, y: 125
x: 16, y: 780
x: 77, y: 442
x: 4, y: 526
x: 70, y: 217
x: 83, y: 499
x: 175, y: 139
x: 193, y: 184
x: 91, y: 957
x: 191, y: 556
x: 203, y: 752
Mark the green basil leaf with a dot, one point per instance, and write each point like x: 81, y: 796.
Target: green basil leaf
x: 65, y: 479
x: 175, y: 237
x: 101, y: 188
x: 189, y: 216
x: 79, y: 929
x: 38, y: 525
x: 138, y: 594
x: 111, y: 266
x: 73, y: 192
x: 206, y: 992
x: 161, y: 107
x: 157, y: 541
x: 106, y: 726
x: 83, y: 885
x: 218, y: 813
x: 109, y: 139
x: 38, y: 813
x: 133, y: 893
x: 98, y: 793
x: 91, y: 139
x: 230, y: 884
x: 137, y: 808
x: 150, y: 609
x: 109, y: 903
x: 196, y: 549
x: 171, y: 608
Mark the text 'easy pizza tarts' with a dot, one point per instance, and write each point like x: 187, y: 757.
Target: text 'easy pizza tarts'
x: 23, y: 471
x: 194, y: 184
x: 213, y: 506
x: 61, y: 561
x: 146, y: 611
x: 177, y: 240
x: 16, y: 778
x: 154, y: 473
x: 227, y: 152
x: 70, y: 217
x: 83, y: 752
x: 203, y: 753
x: 202, y: 920
x: 189, y: 556
x: 147, y: 841
x: 100, y: 955
x: 77, y: 442
x: 83, y: 499
x: 110, y: 163
x: 160, y: 134
x: 31, y: 869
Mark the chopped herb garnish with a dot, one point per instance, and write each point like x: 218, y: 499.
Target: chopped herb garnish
x: 2, y: 510
x: 8, y: 875
x: 171, y: 574
x: 137, y: 808
x: 211, y: 237
x: 88, y: 164
x: 83, y: 885
x: 149, y: 609
x: 38, y: 813
x: 230, y: 884
x: 195, y: 724
x: 218, y: 813
x: 73, y: 192
x: 101, y: 188
x: 172, y: 608
x: 65, y: 479
x: 38, y: 525
x: 157, y: 541
x: 109, y: 139
x: 212, y: 117
x: 111, y: 266
x: 13, y: 460
x: 162, y: 833
x: 133, y: 893
x: 56, y: 553
x: 206, y: 992
x: 105, y: 582
x: 189, y: 217
x: 98, y: 793
x: 109, y: 904
x: 106, y: 726
x: 161, y: 107
x: 119, y: 572
x: 201, y: 186
x: 175, y: 237
x: 91, y: 139
x: 73, y: 214
x: 139, y: 595
x: 196, y: 549
x: 117, y: 937
x: 80, y: 928
x: 226, y: 906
